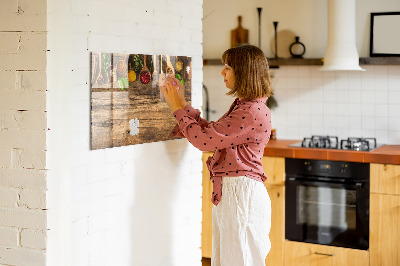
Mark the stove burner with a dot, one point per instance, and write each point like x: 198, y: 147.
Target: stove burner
x: 332, y: 142
x: 328, y: 142
x: 358, y: 144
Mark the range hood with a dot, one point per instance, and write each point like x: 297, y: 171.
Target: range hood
x: 341, y: 51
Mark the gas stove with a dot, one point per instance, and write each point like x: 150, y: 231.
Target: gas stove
x: 332, y: 142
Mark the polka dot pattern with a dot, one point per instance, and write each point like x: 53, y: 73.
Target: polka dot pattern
x: 238, y: 139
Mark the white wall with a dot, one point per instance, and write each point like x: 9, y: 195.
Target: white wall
x: 343, y: 104
x: 133, y: 205
x: 23, y: 133
x: 311, y: 102
x: 306, y: 19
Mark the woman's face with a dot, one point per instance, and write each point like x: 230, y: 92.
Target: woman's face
x: 229, y: 76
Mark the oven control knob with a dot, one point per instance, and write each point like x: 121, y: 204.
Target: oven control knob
x: 343, y: 168
x: 308, y: 166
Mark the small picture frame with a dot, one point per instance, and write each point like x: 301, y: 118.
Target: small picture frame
x: 385, y: 34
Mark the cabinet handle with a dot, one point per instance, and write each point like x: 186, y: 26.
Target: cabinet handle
x: 324, y: 254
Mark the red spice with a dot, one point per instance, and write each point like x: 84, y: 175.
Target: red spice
x: 145, y: 77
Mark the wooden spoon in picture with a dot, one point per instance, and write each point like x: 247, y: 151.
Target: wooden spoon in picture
x: 155, y: 73
x: 161, y: 80
x: 178, y: 65
x: 170, y: 67
x: 145, y: 75
x: 99, y: 78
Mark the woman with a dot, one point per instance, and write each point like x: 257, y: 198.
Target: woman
x: 242, y: 208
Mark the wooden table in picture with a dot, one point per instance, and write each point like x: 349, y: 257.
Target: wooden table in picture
x: 113, y: 108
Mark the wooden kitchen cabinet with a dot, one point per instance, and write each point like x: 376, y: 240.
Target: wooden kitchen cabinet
x: 274, y: 168
x: 206, y: 225
x: 385, y: 215
x: 384, y: 236
x: 305, y: 254
x: 277, y: 233
x: 385, y: 178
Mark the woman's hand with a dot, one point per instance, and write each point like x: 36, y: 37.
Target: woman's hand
x: 181, y: 92
x: 174, y: 93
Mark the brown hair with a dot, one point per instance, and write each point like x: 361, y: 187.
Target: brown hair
x: 250, y: 66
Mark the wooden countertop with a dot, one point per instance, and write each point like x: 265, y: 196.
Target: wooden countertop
x: 389, y: 154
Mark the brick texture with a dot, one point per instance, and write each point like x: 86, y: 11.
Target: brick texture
x: 33, y: 199
x: 8, y: 197
x: 17, y: 256
x: 9, y: 237
x: 23, y: 218
x: 33, y: 239
x: 23, y: 125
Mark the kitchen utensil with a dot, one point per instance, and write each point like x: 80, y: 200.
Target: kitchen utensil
x: 170, y: 67
x: 161, y: 80
x: 239, y: 35
x: 259, y: 26
x: 297, y: 49
x: 145, y: 75
x: 189, y: 70
x: 276, y: 38
x: 178, y: 65
x: 121, y: 68
x: 155, y: 73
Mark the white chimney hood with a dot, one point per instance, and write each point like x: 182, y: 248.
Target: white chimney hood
x: 341, y: 51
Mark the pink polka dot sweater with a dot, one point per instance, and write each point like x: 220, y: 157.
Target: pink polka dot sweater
x: 238, y: 139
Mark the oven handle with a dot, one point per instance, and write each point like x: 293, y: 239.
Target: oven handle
x: 357, y: 185
x: 324, y: 254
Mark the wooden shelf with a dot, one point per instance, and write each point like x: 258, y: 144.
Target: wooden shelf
x: 380, y: 61
x: 274, y: 63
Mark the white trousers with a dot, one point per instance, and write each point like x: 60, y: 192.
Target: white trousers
x: 241, y: 223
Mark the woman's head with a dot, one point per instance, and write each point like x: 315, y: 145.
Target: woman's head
x: 251, y: 72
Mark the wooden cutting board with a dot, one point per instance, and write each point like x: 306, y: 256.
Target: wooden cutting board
x: 239, y: 35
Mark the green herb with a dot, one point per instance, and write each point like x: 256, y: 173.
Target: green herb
x: 123, y: 83
x: 137, y: 63
x: 105, y: 62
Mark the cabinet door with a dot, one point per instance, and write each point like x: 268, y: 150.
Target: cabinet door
x: 304, y: 254
x: 277, y: 233
x: 385, y: 178
x: 384, y: 230
x: 274, y: 168
x: 206, y: 226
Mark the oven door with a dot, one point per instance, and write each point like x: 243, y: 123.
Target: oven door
x: 327, y: 213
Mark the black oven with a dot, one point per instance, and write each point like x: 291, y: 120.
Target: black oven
x: 327, y: 202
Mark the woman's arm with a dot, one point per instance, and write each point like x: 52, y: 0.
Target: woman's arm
x: 239, y: 127
x: 174, y: 93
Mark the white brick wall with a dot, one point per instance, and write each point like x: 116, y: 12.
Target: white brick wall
x: 8, y: 197
x: 33, y: 239
x: 23, y: 132
x: 9, y: 237
x: 134, y: 205
x: 92, y: 196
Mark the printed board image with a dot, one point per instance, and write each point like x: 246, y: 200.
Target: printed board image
x: 127, y: 104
